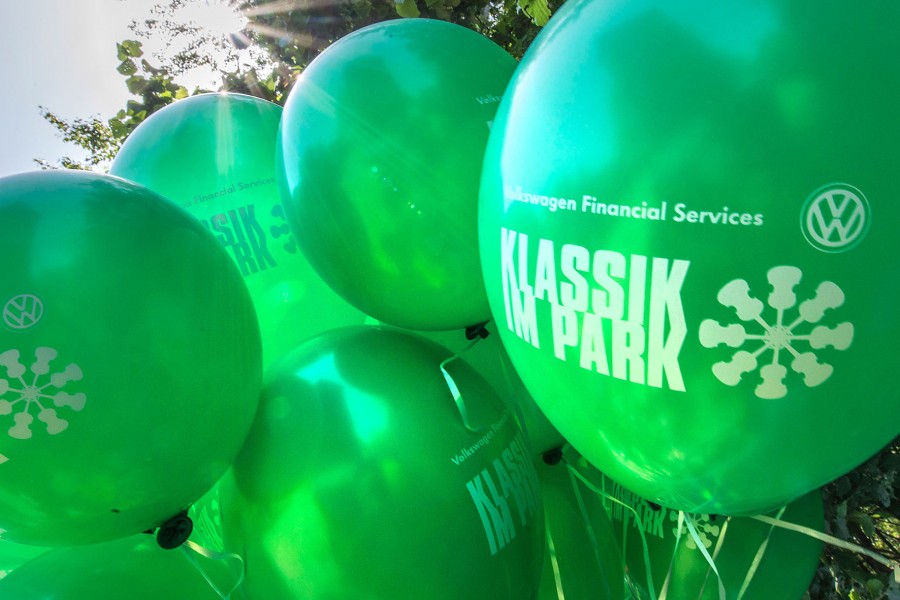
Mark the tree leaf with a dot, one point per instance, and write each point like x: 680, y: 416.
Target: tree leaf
x: 127, y: 67
x: 136, y: 84
x: 133, y: 48
x: 538, y: 10
x: 407, y: 8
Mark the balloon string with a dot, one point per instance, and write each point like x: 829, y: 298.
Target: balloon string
x: 637, y: 522
x: 191, y: 549
x: 454, y: 389
x: 700, y: 546
x: 830, y: 539
x: 551, y: 547
x: 758, y: 558
x: 589, y: 528
x: 664, y: 592
x: 719, y: 543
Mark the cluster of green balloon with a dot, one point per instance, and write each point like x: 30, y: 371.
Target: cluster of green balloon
x: 362, y: 478
x: 214, y: 155
x: 687, y: 281
x: 130, y: 360
x: 381, y: 189
x: 755, y: 560
x: 132, y: 567
x: 583, y: 560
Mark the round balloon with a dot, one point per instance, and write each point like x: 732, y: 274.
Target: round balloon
x: 130, y: 363
x: 787, y: 559
x: 361, y: 479
x: 214, y: 155
x: 134, y: 567
x: 687, y: 278
x: 381, y: 145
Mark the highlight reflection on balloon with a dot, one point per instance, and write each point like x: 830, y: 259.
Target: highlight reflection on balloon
x: 360, y: 479
x: 214, y: 155
x: 381, y: 147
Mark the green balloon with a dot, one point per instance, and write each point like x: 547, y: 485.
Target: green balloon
x: 681, y: 234
x: 130, y: 363
x: 788, y: 561
x: 360, y: 480
x: 214, y: 155
x: 134, y: 567
x: 381, y: 147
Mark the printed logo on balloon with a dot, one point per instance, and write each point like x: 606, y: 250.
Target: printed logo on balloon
x: 777, y: 334
x: 835, y: 218
x: 24, y: 388
x: 23, y: 311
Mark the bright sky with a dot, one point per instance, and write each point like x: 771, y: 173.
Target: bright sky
x: 60, y: 54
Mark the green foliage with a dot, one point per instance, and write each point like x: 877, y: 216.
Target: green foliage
x: 862, y: 508
x: 279, y: 40
x: 153, y: 89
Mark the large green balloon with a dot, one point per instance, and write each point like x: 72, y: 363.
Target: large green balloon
x: 130, y: 363
x: 787, y: 562
x: 214, y: 155
x: 134, y: 567
x: 687, y: 232
x: 381, y: 146
x: 360, y: 480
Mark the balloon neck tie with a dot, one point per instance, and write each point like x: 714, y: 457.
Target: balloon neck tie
x: 553, y: 457
x: 175, y: 531
x: 478, y: 331
x: 192, y: 550
x: 454, y: 389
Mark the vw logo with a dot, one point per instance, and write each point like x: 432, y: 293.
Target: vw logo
x: 23, y: 311
x: 835, y: 218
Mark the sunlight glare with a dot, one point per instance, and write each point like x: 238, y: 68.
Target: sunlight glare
x: 219, y: 18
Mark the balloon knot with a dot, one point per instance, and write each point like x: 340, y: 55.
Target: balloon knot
x: 477, y: 331
x: 175, y: 531
x: 553, y: 457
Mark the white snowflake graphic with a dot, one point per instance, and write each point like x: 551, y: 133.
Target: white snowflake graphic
x: 18, y: 395
x: 777, y: 335
x: 706, y: 529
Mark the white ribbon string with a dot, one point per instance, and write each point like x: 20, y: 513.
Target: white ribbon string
x: 191, y: 549
x: 554, y: 563
x: 830, y: 539
x: 637, y: 522
x: 758, y: 558
x: 454, y: 389
x: 719, y: 543
x: 693, y: 531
